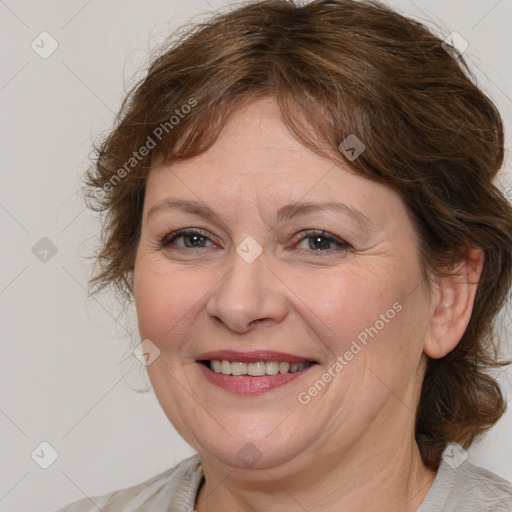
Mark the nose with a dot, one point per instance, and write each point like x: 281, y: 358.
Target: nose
x: 249, y: 295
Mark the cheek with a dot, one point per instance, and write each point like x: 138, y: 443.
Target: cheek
x: 378, y: 318
x: 370, y: 303
x: 349, y: 303
x: 164, y: 299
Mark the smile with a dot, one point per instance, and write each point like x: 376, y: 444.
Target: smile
x: 255, y: 369
x: 252, y: 378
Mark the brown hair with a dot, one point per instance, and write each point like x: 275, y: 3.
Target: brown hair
x: 337, y: 68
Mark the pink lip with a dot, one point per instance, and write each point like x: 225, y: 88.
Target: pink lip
x: 247, y: 385
x: 251, y: 357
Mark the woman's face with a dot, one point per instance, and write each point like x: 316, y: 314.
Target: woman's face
x: 338, y: 286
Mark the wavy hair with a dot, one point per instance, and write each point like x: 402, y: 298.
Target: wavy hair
x: 336, y: 68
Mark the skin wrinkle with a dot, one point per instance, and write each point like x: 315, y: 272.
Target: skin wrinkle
x: 364, y: 417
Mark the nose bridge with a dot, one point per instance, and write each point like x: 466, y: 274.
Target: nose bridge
x: 249, y: 291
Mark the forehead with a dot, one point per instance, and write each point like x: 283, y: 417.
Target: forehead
x: 256, y: 160
x: 256, y: 128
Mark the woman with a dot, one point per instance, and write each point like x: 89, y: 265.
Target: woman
x: 300, y: 201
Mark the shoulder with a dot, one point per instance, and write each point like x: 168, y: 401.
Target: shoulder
x: 175, y: 487
x: 468, y: 488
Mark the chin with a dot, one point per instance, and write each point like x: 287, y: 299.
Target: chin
x: 264, y: 449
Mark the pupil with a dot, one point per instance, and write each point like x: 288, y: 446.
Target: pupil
x: 321, y: 241
x: 194, y: 239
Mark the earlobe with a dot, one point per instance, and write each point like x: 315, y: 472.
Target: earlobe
x: 453, y: 298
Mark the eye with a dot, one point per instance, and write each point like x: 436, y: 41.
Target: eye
x: 319, y: 241
x: 195, y: 238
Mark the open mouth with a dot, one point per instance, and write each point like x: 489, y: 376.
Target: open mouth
x: 255, y: 369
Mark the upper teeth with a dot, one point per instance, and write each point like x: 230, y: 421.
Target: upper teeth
x: 255, y: 369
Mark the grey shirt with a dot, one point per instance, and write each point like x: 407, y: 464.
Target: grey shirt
x: 465, y: 488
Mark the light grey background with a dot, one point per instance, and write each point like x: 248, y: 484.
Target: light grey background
x: 63, y: 381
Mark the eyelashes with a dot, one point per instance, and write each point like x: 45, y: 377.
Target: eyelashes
x: 195, y: 238
x: 169, y: 240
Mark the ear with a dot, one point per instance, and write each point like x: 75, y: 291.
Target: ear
x: 452, y: 304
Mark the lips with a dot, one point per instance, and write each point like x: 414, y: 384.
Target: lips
x: 245, y: 384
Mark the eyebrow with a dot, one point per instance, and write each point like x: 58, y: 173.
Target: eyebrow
x: 285, y: 213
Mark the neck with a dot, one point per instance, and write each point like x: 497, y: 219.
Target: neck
x: 391, y: 477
